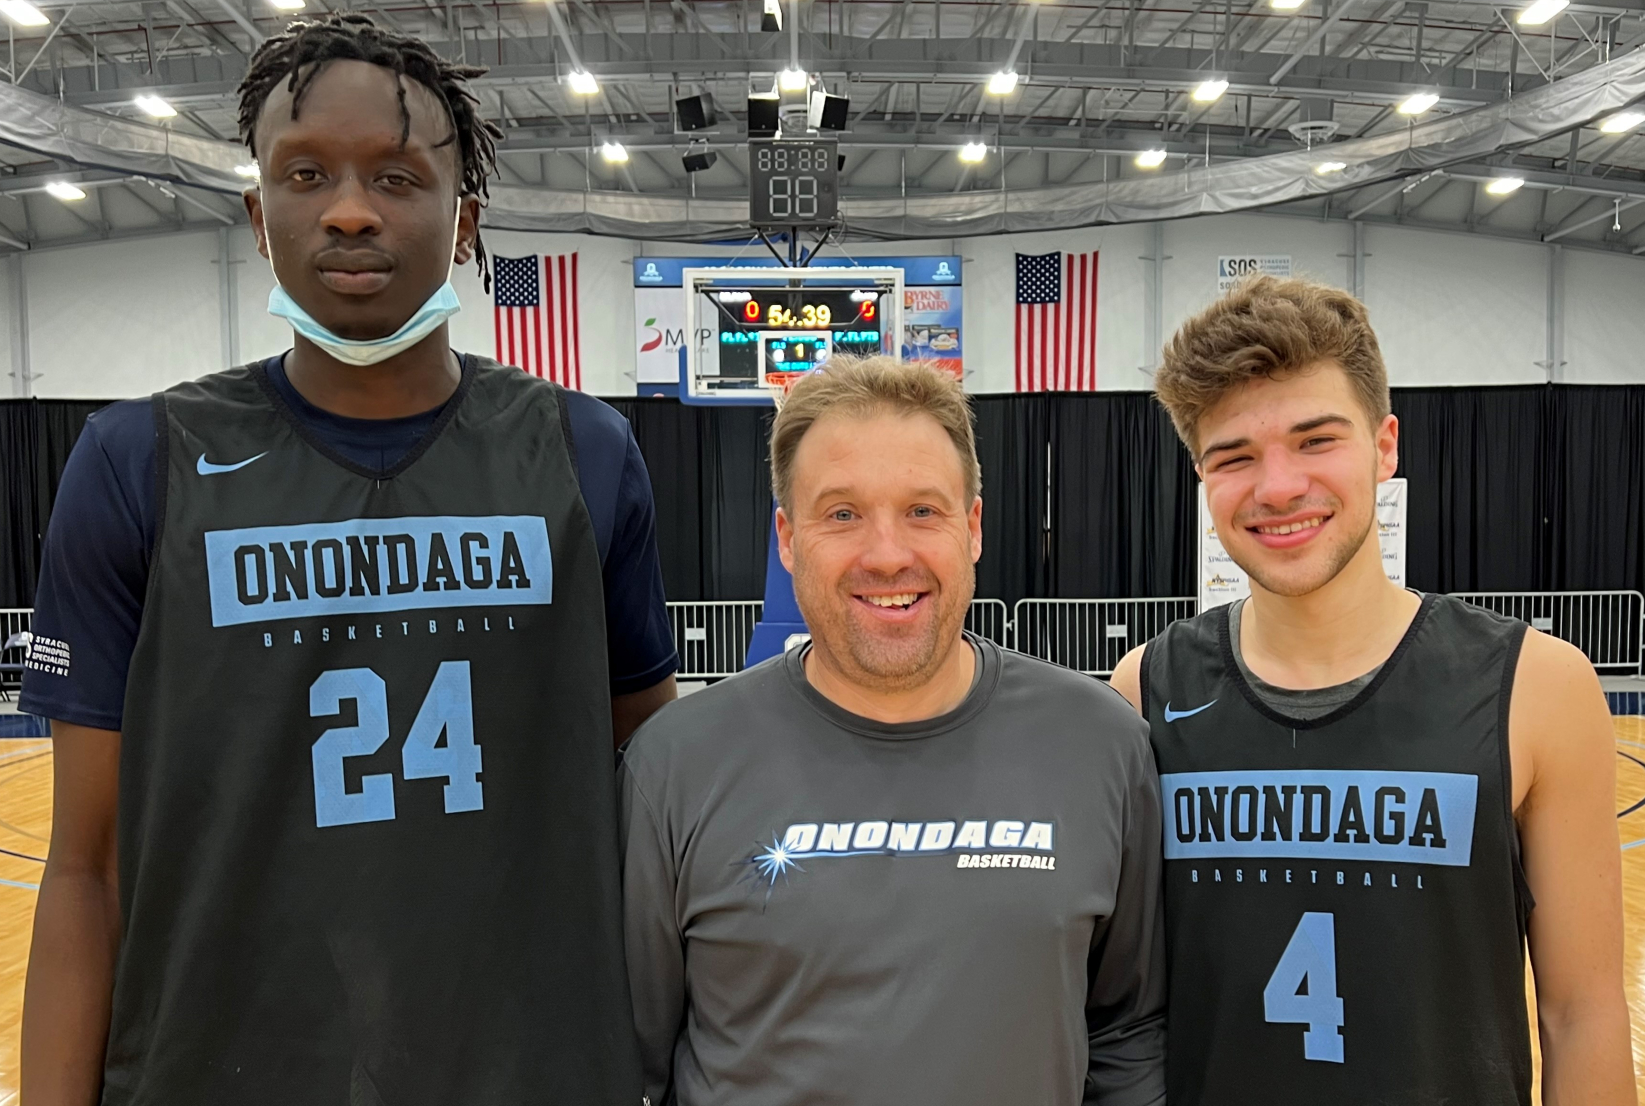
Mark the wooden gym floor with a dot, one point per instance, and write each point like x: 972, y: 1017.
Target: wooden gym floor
x: 25, y: 826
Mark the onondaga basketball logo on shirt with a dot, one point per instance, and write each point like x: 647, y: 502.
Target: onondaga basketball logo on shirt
x: 374, y: 565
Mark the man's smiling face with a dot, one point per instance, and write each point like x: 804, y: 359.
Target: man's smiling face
x: 882, y: 540
x: 1291, y: 467
x: 361, y: 228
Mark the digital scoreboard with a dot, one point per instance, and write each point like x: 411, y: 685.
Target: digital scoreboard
x: 793, y: 182
x: 808, y: 323
x: 754, y: 329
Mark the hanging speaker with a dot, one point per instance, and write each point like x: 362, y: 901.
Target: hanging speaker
x: 696, y: 159
x: 829, y: 113
x: 771, y: 18
x: 694, y: 113
x: 762, y: 116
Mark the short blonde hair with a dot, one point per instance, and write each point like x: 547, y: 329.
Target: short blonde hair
x: 1268, y: 327
x: 865, y: 386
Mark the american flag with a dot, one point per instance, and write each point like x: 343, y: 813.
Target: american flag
x: 1057, y: 322
x: 535, y: 312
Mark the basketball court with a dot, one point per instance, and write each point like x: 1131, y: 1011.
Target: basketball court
x: 25, y: 830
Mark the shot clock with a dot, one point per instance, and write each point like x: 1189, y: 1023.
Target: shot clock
x: 793, y: 182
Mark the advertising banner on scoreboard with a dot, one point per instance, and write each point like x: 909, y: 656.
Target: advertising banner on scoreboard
x: 1222, y: 581
x: 931, y: 313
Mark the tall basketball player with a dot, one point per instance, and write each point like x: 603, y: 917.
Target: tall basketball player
x: 346, y: 637
x: 1372, y: 798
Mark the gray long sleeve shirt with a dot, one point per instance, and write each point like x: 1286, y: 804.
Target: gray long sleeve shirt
x: 824, y: 909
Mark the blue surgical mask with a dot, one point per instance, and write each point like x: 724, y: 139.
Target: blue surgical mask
x: 437, y: 309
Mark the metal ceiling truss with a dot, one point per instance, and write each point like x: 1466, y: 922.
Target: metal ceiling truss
x: 1099, y: 81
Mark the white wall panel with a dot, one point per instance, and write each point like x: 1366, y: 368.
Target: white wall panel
x: 10, y: 385
x: 1194, y: 245
x: 1604, y: 319
x: 261, y: 334
x: 124, y: 318
x: 990, y: 303
x: 605, y: 294
x: 1454, y: 309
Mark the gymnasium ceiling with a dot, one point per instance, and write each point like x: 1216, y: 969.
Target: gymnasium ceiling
x: 1098, y: 82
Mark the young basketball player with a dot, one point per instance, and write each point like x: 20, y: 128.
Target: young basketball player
x: 897, y: 864
x: 347, y: 635
x: 1371, y: 797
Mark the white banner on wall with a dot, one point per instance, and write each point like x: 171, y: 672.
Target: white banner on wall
x: 1232, y: 270
x: 659, y: 325
x: 1222, y: 581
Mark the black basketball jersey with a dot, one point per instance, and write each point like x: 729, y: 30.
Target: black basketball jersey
x: 1345, y: 910
x: 367, y: 827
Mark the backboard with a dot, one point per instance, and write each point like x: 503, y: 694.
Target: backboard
x: 753, y: 331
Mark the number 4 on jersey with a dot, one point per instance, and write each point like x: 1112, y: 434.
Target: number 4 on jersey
x: 447, y: 709
x: 1303, y: 987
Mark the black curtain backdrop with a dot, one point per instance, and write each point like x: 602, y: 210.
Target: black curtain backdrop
x: 711, y: 481
x: 35, y: 438
x: 1538, y: 488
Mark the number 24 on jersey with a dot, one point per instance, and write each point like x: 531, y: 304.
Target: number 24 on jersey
x: 447, y: 709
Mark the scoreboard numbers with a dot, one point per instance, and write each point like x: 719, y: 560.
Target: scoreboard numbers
x: 793, y: 182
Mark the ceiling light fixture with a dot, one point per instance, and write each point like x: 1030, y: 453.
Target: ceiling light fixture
x: 154, y: 107
x: 1325, y: 167
x: 973, y: 152
x: 248, y: 170
x: 1150, y: 159
x: 793, y: 80
x: 1622, y: 121
x: 582, y: 82
x: 288, y: 5
x: 63, y: 190
x: 1418, y: 102
x: 1286, y: 5
x: 23, y: 13
x: 1503, y: 186
x: 1209, y: 92
x: 614, y: 152
x: 1003, y: 83
x: 1541, y: 11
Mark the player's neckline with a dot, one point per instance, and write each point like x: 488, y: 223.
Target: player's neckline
x: 260, y: 374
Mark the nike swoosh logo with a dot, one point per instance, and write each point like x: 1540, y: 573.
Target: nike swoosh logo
x: 1174, y: 715
x: 206, y: 468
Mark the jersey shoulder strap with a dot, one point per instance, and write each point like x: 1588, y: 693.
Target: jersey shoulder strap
x: 1189, y: 649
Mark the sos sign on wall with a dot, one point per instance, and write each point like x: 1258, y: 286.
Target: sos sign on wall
x: 1232, y: 270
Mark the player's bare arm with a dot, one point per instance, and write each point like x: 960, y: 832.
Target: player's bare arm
x: 1127, y: 677
x: 76, y: 925
x: 628, y: 711
x: 1564, y: 780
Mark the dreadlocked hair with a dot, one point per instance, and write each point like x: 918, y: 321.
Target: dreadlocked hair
x: 301, y: 51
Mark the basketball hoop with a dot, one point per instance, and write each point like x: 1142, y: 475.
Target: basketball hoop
x: 783, y: 382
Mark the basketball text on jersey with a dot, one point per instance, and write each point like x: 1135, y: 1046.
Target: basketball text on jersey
x: 1405, y: 817
x: 373, y: 565
x: 970, y: 840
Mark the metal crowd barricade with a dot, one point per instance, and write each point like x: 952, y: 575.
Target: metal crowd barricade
x: 1091, y: 635
x: 13, y: 622
x: 1608, y: 626
x: 712, y: 636
x: 989, y: 618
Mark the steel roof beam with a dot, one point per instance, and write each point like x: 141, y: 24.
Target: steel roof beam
x: 692, y: 57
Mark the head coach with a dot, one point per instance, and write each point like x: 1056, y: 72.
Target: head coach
x: 896, y: 864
